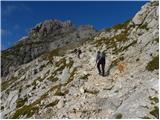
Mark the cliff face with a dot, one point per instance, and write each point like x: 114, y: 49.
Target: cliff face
x: 56, y: 85
x: 44, y: 37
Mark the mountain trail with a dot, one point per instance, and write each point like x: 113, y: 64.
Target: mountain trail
x: 43, y: 78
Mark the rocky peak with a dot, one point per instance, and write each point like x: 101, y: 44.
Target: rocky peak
x: 50, y: 27
x: 44, y: 37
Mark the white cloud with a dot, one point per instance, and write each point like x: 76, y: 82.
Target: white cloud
x: 9, y: 9
x: 26, y: 8
x: 4, y: 32
x: 16, y: 27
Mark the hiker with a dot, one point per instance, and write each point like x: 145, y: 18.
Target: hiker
x: 75, y: 51
x: 79, y: 53
x: 100, y: 60
x: 45, y: 31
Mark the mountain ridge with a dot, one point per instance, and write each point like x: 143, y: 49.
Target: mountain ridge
x: 43, y: 38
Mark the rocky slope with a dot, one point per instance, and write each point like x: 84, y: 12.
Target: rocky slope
x: 56, y: 85
x: 44, y: 37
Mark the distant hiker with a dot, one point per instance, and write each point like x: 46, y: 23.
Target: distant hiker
x: 79, y: 53
x: 100, y: 60
x: 45, y: 31
x: 75, y: 51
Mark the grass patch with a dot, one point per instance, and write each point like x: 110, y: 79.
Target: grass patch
x: 58, y: 91
x: 154, y: 3
x: 122, y: 37
x: 118, y: 50
x: 27, y: 86
x: 25, y: 110
x: 52, y: 78
x: 20, y: 102
x: 84, y: 77
x: 70, y: 64
x: 146, y: 117
x: 71, y: 76
x: 91, y: 91
x: 157, y: 40
x: 154, y: 99
x: 52, y: 104
x: 153, y: 64
x: 118, y: 116
x: 144, y: 26
x: 119, y: 26
x: 61, y: 64
x: 155, y: 112
x: 34, y: 83
x: 112, y: 42
x: 7, y: 83
x: 28, y: 110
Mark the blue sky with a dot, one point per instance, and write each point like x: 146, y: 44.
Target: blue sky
x: 17, y: 18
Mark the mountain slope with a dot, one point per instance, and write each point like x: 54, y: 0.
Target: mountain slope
x: 63, y: 86
x: 44, y: 37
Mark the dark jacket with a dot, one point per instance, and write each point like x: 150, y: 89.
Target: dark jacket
x: 98, y: 57
x: 102, y: 59
x: 79, y: 51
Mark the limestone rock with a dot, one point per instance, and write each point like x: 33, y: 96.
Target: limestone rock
x: 60, y: 103
x: 56, y: 84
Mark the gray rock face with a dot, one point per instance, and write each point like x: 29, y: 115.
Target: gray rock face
x: 146, y: 12
x: 45, y: 37
x: 53, y: 86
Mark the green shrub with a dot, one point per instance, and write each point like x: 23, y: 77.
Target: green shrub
x: 112, y: 42
x: 154, y: 99
x: 28, y: 110
x: 122, y: 37
x: 154, y: 3
x: 84, y: 77
x: 7, y: 83
x: 20, y: 102
x: 52, y: 78
x: 25, y: 110
x: 153, y: 64
x: 157, y: 40
x: 146, y: 117
x: 52, y: 104
x: 155, y: 112
x: 58, y: 91
x: 118, y: 116
x: 119, y: 26
x: 144, y: 26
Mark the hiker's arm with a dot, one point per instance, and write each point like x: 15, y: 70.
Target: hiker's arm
x: 97, y: 59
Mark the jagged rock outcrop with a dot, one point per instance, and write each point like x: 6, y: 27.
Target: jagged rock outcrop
x: 44, y: 37
x: 54, y: 86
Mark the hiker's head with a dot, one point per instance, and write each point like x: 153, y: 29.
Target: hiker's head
x: 98, y: 52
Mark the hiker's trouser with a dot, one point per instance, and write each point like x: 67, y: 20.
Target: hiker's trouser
x: 101, y: 66
x: 79, y: 55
